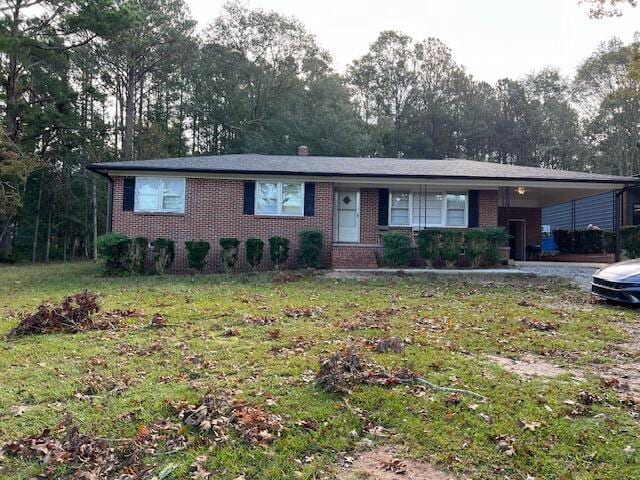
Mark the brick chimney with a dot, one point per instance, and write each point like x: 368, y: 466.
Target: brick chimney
x: 303, y: 151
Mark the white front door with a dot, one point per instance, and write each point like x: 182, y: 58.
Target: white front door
x: 347, y: 216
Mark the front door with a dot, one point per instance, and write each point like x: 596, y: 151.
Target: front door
x: 347, y: 216
x: 517, y: 239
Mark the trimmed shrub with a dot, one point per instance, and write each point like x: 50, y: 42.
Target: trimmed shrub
x: 278, y: 251
x: 310, y: 249
x: 165, y: 253
x: 630, y: 240
x: 497, y: 238
x: 429, y: 245
x: 254, y: 250
x: 197, y: 254
x: 563, y: 239
x: 229, y: 254
x: 114, y: 253
x: 139, y: 248
x: 475, y: 245
x: 608, y: 242
x: 581, y: 240
x: 451, y: 246
x: 589, y: 241
x: 396, y: 248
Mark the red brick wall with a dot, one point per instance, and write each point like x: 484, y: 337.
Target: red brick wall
x: 581, y: 257
x: 488, y: 208
x: 532, y: 218
x: 354, y: 256
x: 214, y: 209
x: 369, y: 215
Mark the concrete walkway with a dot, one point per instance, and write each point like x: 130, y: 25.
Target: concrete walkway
x: 578, y: 273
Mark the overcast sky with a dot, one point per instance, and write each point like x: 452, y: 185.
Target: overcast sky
x: 493, y: 39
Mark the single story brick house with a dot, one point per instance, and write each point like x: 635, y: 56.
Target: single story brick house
x: 352, y: 200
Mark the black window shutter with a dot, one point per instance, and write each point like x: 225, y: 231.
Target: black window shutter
x: 129, y: 194
x: 249, y: 197
x: 474, y: 208
x: 383, y: 206
x: 309, y: 199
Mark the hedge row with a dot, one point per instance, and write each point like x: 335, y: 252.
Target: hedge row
x: 583, y: 241
x: 440, y: 246
x: 122, y: 255
x: 630, y: 240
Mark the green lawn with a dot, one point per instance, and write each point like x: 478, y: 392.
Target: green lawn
x: 452, y: 327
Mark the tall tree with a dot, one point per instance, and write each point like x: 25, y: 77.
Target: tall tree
x: 151, y: 33
x: 385, y: 77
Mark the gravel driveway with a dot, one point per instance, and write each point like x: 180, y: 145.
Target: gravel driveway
x: 580, y: 275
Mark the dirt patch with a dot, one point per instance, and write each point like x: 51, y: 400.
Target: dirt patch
x: 632, y: 344
x: 627, y: 375
x: 530, y: 366
x: 383, y: 464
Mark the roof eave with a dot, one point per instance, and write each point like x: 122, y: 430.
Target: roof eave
x: 101, y: 168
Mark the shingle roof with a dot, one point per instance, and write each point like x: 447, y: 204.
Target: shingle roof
x: 357, y: 167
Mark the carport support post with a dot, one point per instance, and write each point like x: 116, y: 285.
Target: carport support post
x: 617, y: 217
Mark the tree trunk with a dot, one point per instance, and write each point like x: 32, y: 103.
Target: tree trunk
x: 5, y: 237
x: 94, y: 207
x: 34, y: 248
x: 11, y: 84
x: 127, y: 142
x: 47, y: 248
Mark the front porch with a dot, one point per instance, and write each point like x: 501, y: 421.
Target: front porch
x: 363, y: 212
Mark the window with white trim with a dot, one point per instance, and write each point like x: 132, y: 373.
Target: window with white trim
x: 399, y: 205
x: 279, y: 198
x: 428, y: 209
x: 159, y: 194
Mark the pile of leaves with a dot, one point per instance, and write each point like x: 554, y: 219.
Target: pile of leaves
x: 211, y: 416
x: 343, y: 369
x: 76, y: 313
x: 73, y: 314
x: 254, y: 424
x: 159, y: 321
x: 375, y: 318
x: 258, y: 320
x: 216, y: 414
x: 83, y: 456
x: 95, y: 384
x: 297, y: 312
x: 537, y: 324
x: 385, y: 344
x: 298, y: 346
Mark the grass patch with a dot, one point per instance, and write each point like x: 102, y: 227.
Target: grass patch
x: 448, y: 327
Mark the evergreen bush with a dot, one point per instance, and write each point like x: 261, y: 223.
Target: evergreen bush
x: 451, y: 246
x: 254, y: 252
x: 114, y: 253
x: 197, y: 252
x: 396, y: 248
x: 229, y: 254
x: 278, y: 251
x: 630, y: 240
x: 139, y: 247
x: 165, y: 253
x: 429, y: 245
x: 310, y: 249
x: 475, y: 245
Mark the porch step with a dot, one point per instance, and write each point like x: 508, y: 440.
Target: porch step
x: 354, y: 256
